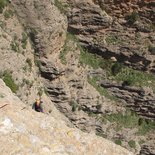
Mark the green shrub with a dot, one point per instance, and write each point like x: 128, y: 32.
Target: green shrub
x: 113, y: 39
x: 29, y: 62
x: 27, y: 82
x: 116, y: 68
x: 37, y: 63
x: 8, y: 14
x: 146, y: 126
x: 60, y: 6
x: 14, y: 46
x: 3, y: 3
x: 151, y: 49
x: 135, y: 78
x: 62, y: 56
x: 7, y: 78
x: 118, y: 142
x: 24, y: 40
x: 132, y: 18
x: 141, y: 142
x: 74, y: 105
x: 98, y: 107
x: 127, y: 82
x: 132, y: 144
x: 40, y: 91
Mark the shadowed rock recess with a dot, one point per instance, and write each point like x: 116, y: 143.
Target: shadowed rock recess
x: 93, y: 64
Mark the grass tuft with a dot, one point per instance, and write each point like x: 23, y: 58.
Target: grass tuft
x: 7, y: 78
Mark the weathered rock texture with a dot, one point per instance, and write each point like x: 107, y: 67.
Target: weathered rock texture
x: 128, y: 37
x: 23, y: 131
x: 67, y: 83
x: 40, y: 18
x: 141, y: 100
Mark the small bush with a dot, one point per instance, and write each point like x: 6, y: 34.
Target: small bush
x: 27, y: 82
x: 62, y: 56
x: 98, y: 107
x: 8, y: 14
x: 24, y: 40
x: 116, y: 68
x: 118, y: 142
x: 151, y: 49
x: 14, y: 46
x: 38, y: 63
x: 3, y: 3
x: 74, y: 105
x: 7, y: 78
x: 127, y: 82
x: 29, y: 62
x: 40, y: 91
x: 60, y: 6
x: 132, y: 18
x: 132, y: 144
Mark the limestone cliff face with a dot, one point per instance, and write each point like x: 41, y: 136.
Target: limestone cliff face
x: 40, y: 19
x: 117, y: 28
x: 49, y: 61
x: 23, y: 131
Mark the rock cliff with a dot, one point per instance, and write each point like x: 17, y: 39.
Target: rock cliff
x: 116, y: 28
x: 45, y: 50
x: 23, y: 131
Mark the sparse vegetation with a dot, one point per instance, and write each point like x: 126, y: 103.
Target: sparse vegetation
x: 113, y: 39
x: 27, y: 82
x: 151, y: 49
x: 3, y: 3
x: 24, y: 40
x: 132, y: 144
x: 118, y: 142
x: 29, y: 62
x: 62, y: 7
x: 74, y: 105
x: 66, y: 48
x: 15, y: 46
x: 94, y: 60
x: 40, y: 91
x: 131, y: 120
x: 116, y: 68
x: 37, y: 63
x: 101, y: 90
x: 135, y: 78
x: 8, y: 14
x: 7, y: 78
x: 2, y: 24
x: 117, y: 71
x: 132, y: 18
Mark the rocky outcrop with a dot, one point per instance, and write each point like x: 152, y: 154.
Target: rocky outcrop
x: 107, y: 34
x: 66, y: 84
x: 141, y: 100
x: 46, y: 31
x: 147, y: 150
x: 23, y: 131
